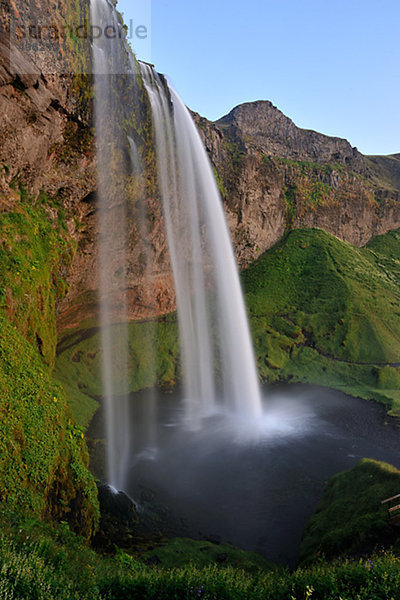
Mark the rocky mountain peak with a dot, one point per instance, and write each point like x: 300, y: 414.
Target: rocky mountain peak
x: 260, y: 125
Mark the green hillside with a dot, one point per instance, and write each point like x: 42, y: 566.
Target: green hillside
x: 326, y: 312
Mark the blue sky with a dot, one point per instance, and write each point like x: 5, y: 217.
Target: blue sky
x: 332, y: 66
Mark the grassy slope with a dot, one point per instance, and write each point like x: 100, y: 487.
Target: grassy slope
x: 43, y: 459
x: 350, y: 516
x: 325, y: 312
x: 178, y: 552
x: 385, y: 171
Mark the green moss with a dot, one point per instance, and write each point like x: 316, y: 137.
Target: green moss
x: 43, y: 458
x: 350, y: 517
x: 153, y: 360
x: 220, y: 184
x: 33, y: 251
x: 76, y: 14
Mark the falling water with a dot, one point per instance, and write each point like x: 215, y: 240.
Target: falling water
x: 218, y: 362
x: 109, y: 65
x: 212, y: 317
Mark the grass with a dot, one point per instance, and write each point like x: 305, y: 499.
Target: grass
x: 178, y: 552
x: 350, y: 517
x: 40, y: 562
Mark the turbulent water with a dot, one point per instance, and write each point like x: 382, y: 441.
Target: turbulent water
x: 218, y: 364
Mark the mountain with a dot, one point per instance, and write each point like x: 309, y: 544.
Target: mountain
x: 262, y: 126
x: 275, y: 177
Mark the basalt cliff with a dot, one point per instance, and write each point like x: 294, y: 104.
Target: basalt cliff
x: 275, y: 177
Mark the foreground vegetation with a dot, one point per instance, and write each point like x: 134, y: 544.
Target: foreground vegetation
x: 40, y: 562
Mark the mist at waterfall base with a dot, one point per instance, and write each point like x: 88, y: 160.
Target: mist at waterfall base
x: 252, y: 484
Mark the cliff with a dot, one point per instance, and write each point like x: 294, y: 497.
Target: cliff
x: 275, y: 177
x: 46, y: 173
x: 263, y: 127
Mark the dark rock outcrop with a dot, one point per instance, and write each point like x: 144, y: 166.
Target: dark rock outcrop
x: 118, y: 520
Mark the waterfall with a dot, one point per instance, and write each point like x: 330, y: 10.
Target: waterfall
x: 212, y: 317
x: 217, y: 358
x: 109, y: 66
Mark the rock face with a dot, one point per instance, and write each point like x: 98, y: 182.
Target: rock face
x: 251, y: 190
x: 46, y: 138
x: 274, y: 177
x: 260, y: 125
x: 47, y: 146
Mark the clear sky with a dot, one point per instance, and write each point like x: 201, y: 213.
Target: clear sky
x: 330, y: 65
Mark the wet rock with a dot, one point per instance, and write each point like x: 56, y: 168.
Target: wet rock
x: 118, y: 520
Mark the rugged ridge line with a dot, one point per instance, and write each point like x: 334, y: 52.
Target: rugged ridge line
x: 274, y: 177
x: 262, y: 126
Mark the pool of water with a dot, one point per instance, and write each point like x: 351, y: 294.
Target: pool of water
x: 253, y: 483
